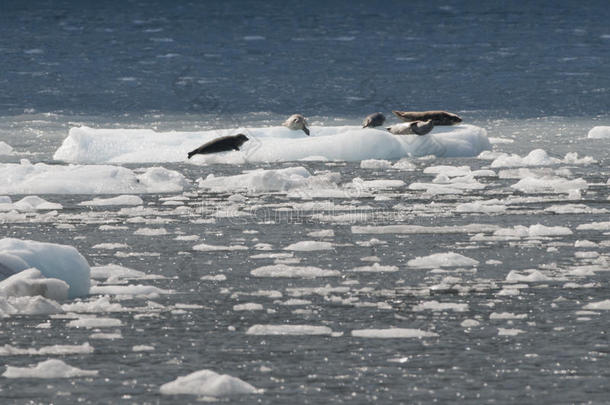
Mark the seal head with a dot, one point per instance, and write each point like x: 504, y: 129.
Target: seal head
x: 374, y: 120
x: 296, y: 122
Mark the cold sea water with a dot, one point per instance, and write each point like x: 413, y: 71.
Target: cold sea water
x: 424, y: 279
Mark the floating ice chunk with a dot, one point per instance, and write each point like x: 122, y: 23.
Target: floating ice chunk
x: 51, y: 368
x: 110, y: 246
x: 572, y: 158
x: 469, y: 323
x: 119, y: 200
x: 273, y: 144
x: 113, y: 271
x: 93, y: 322
x: 61, y: 262
x: 537, y: 157
x: 209, y: 384
x: 137, y: 290
x: 217, y: 277
x: 599, y: 132
x: 8, y: 350
x: 506, y: 315
x: 33, y: 203
x: 550, y: 184
x: 509, y: 332
x: 283, y: 270
x: 143, y: 348
x: 418, y: 229
x: 151, y: 231
x: 31, y: 282
x: 99, y: 305
x: 585, y: 244
x: 5, y: 148
x: 393, y: 333
x: 449, y: 171
x: 375, y: 164
x: 324, y: 233
x: 530, y: 276
x: 204, y: 247
x: 575, y: 209
x: 36, y: 305
x: 449, y: 259
x: 261, y: 180
x: 600, y: 305
x: 375, y: 268
x: 249, y: 306
x: 289, y: 330
x: 309, y: 245
x: 489, y: 207
x: 41, y: 178
x: 594, y: 226
x: 440, y: 306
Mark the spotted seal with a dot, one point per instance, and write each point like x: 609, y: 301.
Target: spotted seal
x: 413, y: 127
x: 296, y: 122
x: 437, y: 117
x: 222, y: 144
x: 374, y: 120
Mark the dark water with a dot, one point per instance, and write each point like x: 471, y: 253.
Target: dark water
x: 523, y: 59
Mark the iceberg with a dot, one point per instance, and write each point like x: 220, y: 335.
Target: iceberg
x: 600, y: 132
x: 53, y: 261
x: 40, y: 178
x: 272, y: 144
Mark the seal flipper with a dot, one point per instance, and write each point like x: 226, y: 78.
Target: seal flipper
x: 306, y: 130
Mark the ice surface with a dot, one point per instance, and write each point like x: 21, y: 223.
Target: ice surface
x: 8, y: 350
x: 40, y: 178
x: 54, y: 261
x: 29, y: 203
x: 52, y: 368
x: 418, y: 229
x: 537, y: 157
x: 31, y: 282
x: 286, y: 271
x: 393, y: 333
x: 288, y: 330
x: 127, y: 290
x: 440, y: 306
x: 119, y: 200
x: 5, y: 148
x: 204, y: 247
x: 272, y: 144
x: 94, y: 322
x: 449, y: 259
x: 527, y: 276
x: 600, y: 305
x: 600, y: 132
x: 209, y: 384
x: 36, y: 305
x: 309, y: 245
x: 261, y: 180
x: 550, y: 184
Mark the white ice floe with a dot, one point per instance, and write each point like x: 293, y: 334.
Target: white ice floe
x: 509, y: 332
x: 207, y: 383
x: 600, y: 305
x: 95, y: 305
x: 51, y: 368
x: 286, y: 271
x: 40, y: 178
x: 440, y: 306
x: 248, y: 306
x: 526, y: 276
x: 5, y: 148
x: 8, y: 350
x: 28, y: 305
x: 418, y: 229
x: 130, y: 290
x: 90, y: 322
x: 533, y: 231
x: 599, y: 132
x: 110, y: 246
x: 204, y: 247
x: 449, y: 259
x: 376, y: 164
x: 551, y: 184
x: 594, y: 226
x: 324, y: 233
x: 272, y: 144
x: 309, y: 245
x: 375, y: 268
x: 29, y: 203
x: 393, y: 333
x: 54, y: 261
x: 150, y: 232
x: 537, y: 157
x: 31, y: 282
x: 493, y: 206
x: 506, y: 315
x: 289, y: 330
x: 119, y: 200
x: 271, y: 180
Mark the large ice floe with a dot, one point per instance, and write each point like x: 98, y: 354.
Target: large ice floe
x: 600, y: 132
x: 272, y: 144
x: 207, y: 383
x: 31, y: 268
x: 40, y: 178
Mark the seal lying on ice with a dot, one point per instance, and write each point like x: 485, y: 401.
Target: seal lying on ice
x: 374, y: 120
x: 437, y: 117
x: 296, y: 122
x: 414, y: 127
x: 222, y: 144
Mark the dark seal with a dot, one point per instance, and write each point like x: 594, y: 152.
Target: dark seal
x: 374, y: 120
x: 437, y: 117
x: 413, y: 127
x: 222, y: 144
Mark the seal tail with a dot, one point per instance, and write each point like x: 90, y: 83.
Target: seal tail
x: 190, y: 154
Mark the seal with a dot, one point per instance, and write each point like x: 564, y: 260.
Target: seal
x: 374, y: 120
x: 437, y: 117
x: 414, y: 127
x: 222, y: 144
x: 296, y: 122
